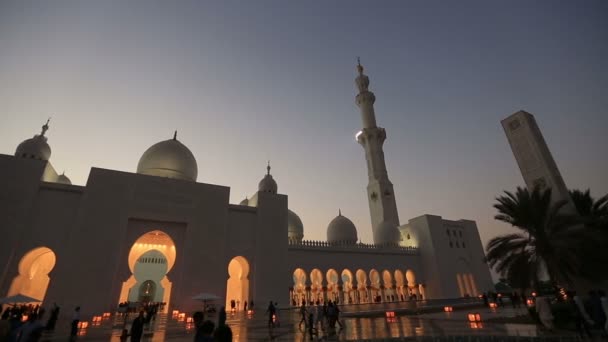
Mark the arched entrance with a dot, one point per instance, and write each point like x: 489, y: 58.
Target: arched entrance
x: 347, y: 286
x: 316, y: 285
x: 374, y: 279
x: 299, y: 287
x: 362, y: 287
x: 150, y: 259
x: 237, y: 286
x: 147, y: 290
x: 332, y: 284
x: 33, y: 278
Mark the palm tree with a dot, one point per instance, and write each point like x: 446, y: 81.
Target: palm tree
x: 546, y: 241
x: 594, y: 215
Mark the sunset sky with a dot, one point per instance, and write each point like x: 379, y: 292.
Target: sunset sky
x: 250, y: 81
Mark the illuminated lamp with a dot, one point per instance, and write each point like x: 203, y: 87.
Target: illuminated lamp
x: 83, y: 325
x: 189, y: 320
x: 533, y: 294
x: 448, y: 309
x: 476, y: 325
x: 106, y: 315
x: 474, y: 317
x: 249, y: 312
x: 499, y: 295
x: 24, y: 318
x: 96, y: 319
x: 493, y: 305
x: 390, y: 314
x: 530, y: 302
x: 274, y: 318
x: 174, y: 313
x: 181, y: 317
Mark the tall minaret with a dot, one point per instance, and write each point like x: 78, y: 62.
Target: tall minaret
x: 380, y: 194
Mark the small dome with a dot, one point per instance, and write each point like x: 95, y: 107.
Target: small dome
x: 268, y: 184
x: 63, y: 179
x: 36, y: 147
x: 341, y: 230
x: 169, y: 158
x: 387, y: 233
x: 245, y: 201
x: 295, y: 228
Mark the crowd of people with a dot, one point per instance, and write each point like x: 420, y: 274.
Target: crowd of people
x: 24, y: 323
x: 320, y: 316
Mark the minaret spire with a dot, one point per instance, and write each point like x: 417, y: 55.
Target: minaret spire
x: 45, y: 127
x: 381, y: 198
x: 175, y: 135
x: 268, y: 168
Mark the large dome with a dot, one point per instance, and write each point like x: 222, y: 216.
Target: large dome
x: 169, y: 158
x: 387, y: 233
x: 341, y: 230
x: 268, y: 184
x: 36, y: 147
x: 295, y: 228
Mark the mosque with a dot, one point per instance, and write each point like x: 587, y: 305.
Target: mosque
x: 158, y: 235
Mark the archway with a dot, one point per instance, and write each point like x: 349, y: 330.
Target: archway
x: 33, y: 278
x: 150, y: 259
x: 299, y: 287
x: 387, y: 281
x: 400, y: 284
x: 237, y: 286
x: 332, y: 284
x: 147, y: 291
x: 374, y: 279
x: 410, y: 276
x: 316, y: 286
x: 362, y: 286
x: 347, y: 285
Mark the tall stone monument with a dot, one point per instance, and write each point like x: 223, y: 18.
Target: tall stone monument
x: 535, y: 161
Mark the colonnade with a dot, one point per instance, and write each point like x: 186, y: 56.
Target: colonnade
x: 362, y: 287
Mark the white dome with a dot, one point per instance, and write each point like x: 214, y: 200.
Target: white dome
x: 341, y: 230
x: 36, y: 147
x: 169, y: 158
x: 387, y: 233
x: 268, y: 184
x: 63, y: 179
x: 295, y: 228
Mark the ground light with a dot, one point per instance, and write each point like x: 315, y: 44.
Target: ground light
x: 474, y: 317
x: 448, y: 309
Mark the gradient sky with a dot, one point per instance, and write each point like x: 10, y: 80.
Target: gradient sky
x: 248, y: 81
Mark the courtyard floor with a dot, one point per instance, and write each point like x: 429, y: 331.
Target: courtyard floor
x: 361, y: 322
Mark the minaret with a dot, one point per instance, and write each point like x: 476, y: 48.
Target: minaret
x: 380, y: 194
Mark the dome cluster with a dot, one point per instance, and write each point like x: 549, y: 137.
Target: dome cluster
x: 170, y: 159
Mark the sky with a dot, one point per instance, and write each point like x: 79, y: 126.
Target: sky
x: 250, y: 81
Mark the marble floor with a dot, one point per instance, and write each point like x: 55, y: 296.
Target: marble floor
x: 255, y: 328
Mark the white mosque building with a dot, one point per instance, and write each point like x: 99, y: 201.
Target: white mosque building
x: 158, y: 235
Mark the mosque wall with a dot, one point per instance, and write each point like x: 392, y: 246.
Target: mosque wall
x: 270, y: 273
x: 19, y: 184
x: 451, y: 256
x: 117, y: 208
